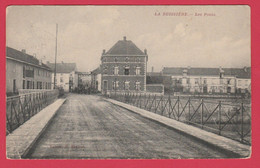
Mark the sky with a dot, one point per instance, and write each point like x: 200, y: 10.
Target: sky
x: 174, y: 36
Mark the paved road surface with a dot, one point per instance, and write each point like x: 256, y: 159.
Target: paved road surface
x: 87, y: 126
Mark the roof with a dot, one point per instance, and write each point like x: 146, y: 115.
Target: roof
x: 21, y: 56
x: 237, y: 72
x: 96, y: 71
x: 82, y: 73
x: 153, y: 73
x: 124, y: 47
x: 63, y: 67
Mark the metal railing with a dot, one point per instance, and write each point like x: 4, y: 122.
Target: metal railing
x: 226, y: 118
x: 21, y: 108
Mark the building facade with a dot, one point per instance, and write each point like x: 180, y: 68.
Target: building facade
x: 209, y: 80
x: 123, y: 68
x: 25, y: 72
x: 96, y: 79
x: 66, y: 77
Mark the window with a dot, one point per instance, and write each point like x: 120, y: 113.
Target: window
x: 188, y: 80
x: 127, y: 85
x: 105, y: 70
x: 24, y: 72
x: 115, y: 70
x: 61, y: 79
x: 115, y: 59
x: 115, y: 85
x: 14, y: 85
x: 205, y: 81
x: 228, y: 81
x: 23, y: 84
x: 126, y: 70
x: 221, y: 81
x: 196, y: 81
x: 137, y: 70
x: 126, y: 59
x: 137, y: 86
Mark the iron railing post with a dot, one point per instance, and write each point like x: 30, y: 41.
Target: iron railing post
x: 178, y: 110
x: 169, y: 110
x: 219, y: 118
x: 202, y: 110
x: 189, y: 110
x: 242, y: 122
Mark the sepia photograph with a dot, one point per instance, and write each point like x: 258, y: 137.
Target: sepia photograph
x: 128, y: 82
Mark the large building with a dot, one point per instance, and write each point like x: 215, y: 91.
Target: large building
x: 209, y: 80
x: 123, y: 68
x: 25, y: 72
x: 65, y: 75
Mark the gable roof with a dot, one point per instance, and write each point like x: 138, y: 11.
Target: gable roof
x: 63, y: 67
x: 124, y: 47
x: 96, y: 71
x: 237, y: 72
x: 26, y: 58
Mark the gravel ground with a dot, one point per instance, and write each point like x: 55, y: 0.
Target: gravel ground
x: 88, y: 127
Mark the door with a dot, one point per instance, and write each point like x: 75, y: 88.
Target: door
x: 105, y: 87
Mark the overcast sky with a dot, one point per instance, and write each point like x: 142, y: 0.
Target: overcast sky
x: 222, y: 39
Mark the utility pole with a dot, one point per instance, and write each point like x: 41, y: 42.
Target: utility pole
x: 55, y: 56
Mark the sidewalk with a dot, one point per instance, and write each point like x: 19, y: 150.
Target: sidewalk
x: 20, y: 141
x: 220, y: 142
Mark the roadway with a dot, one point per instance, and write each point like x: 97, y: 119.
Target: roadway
x: 88, y: 127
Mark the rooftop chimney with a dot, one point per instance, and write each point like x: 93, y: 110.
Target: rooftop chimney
x: 221, y: 70
x: 245, y: 69
x: 34, y: 54
x: 104, y: 51
x: 124, y: 38
x: 152, y: 69
x: 145, y: 51
x: 23, y: 50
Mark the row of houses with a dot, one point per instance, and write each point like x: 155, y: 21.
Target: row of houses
x: 25, y: 72
x: 203, y: 80
x: 124, y: 68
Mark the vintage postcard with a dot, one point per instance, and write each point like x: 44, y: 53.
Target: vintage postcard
x: 128, y: 82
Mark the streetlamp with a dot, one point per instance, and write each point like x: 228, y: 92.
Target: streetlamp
x: 55, y: 56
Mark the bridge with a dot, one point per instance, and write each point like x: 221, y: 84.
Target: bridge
x: 96, y: 127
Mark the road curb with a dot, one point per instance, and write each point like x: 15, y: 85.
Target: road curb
x: 236, y: 149
x: 21, y: 140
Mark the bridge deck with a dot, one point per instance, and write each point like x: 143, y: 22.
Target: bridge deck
x: 89, y: 127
